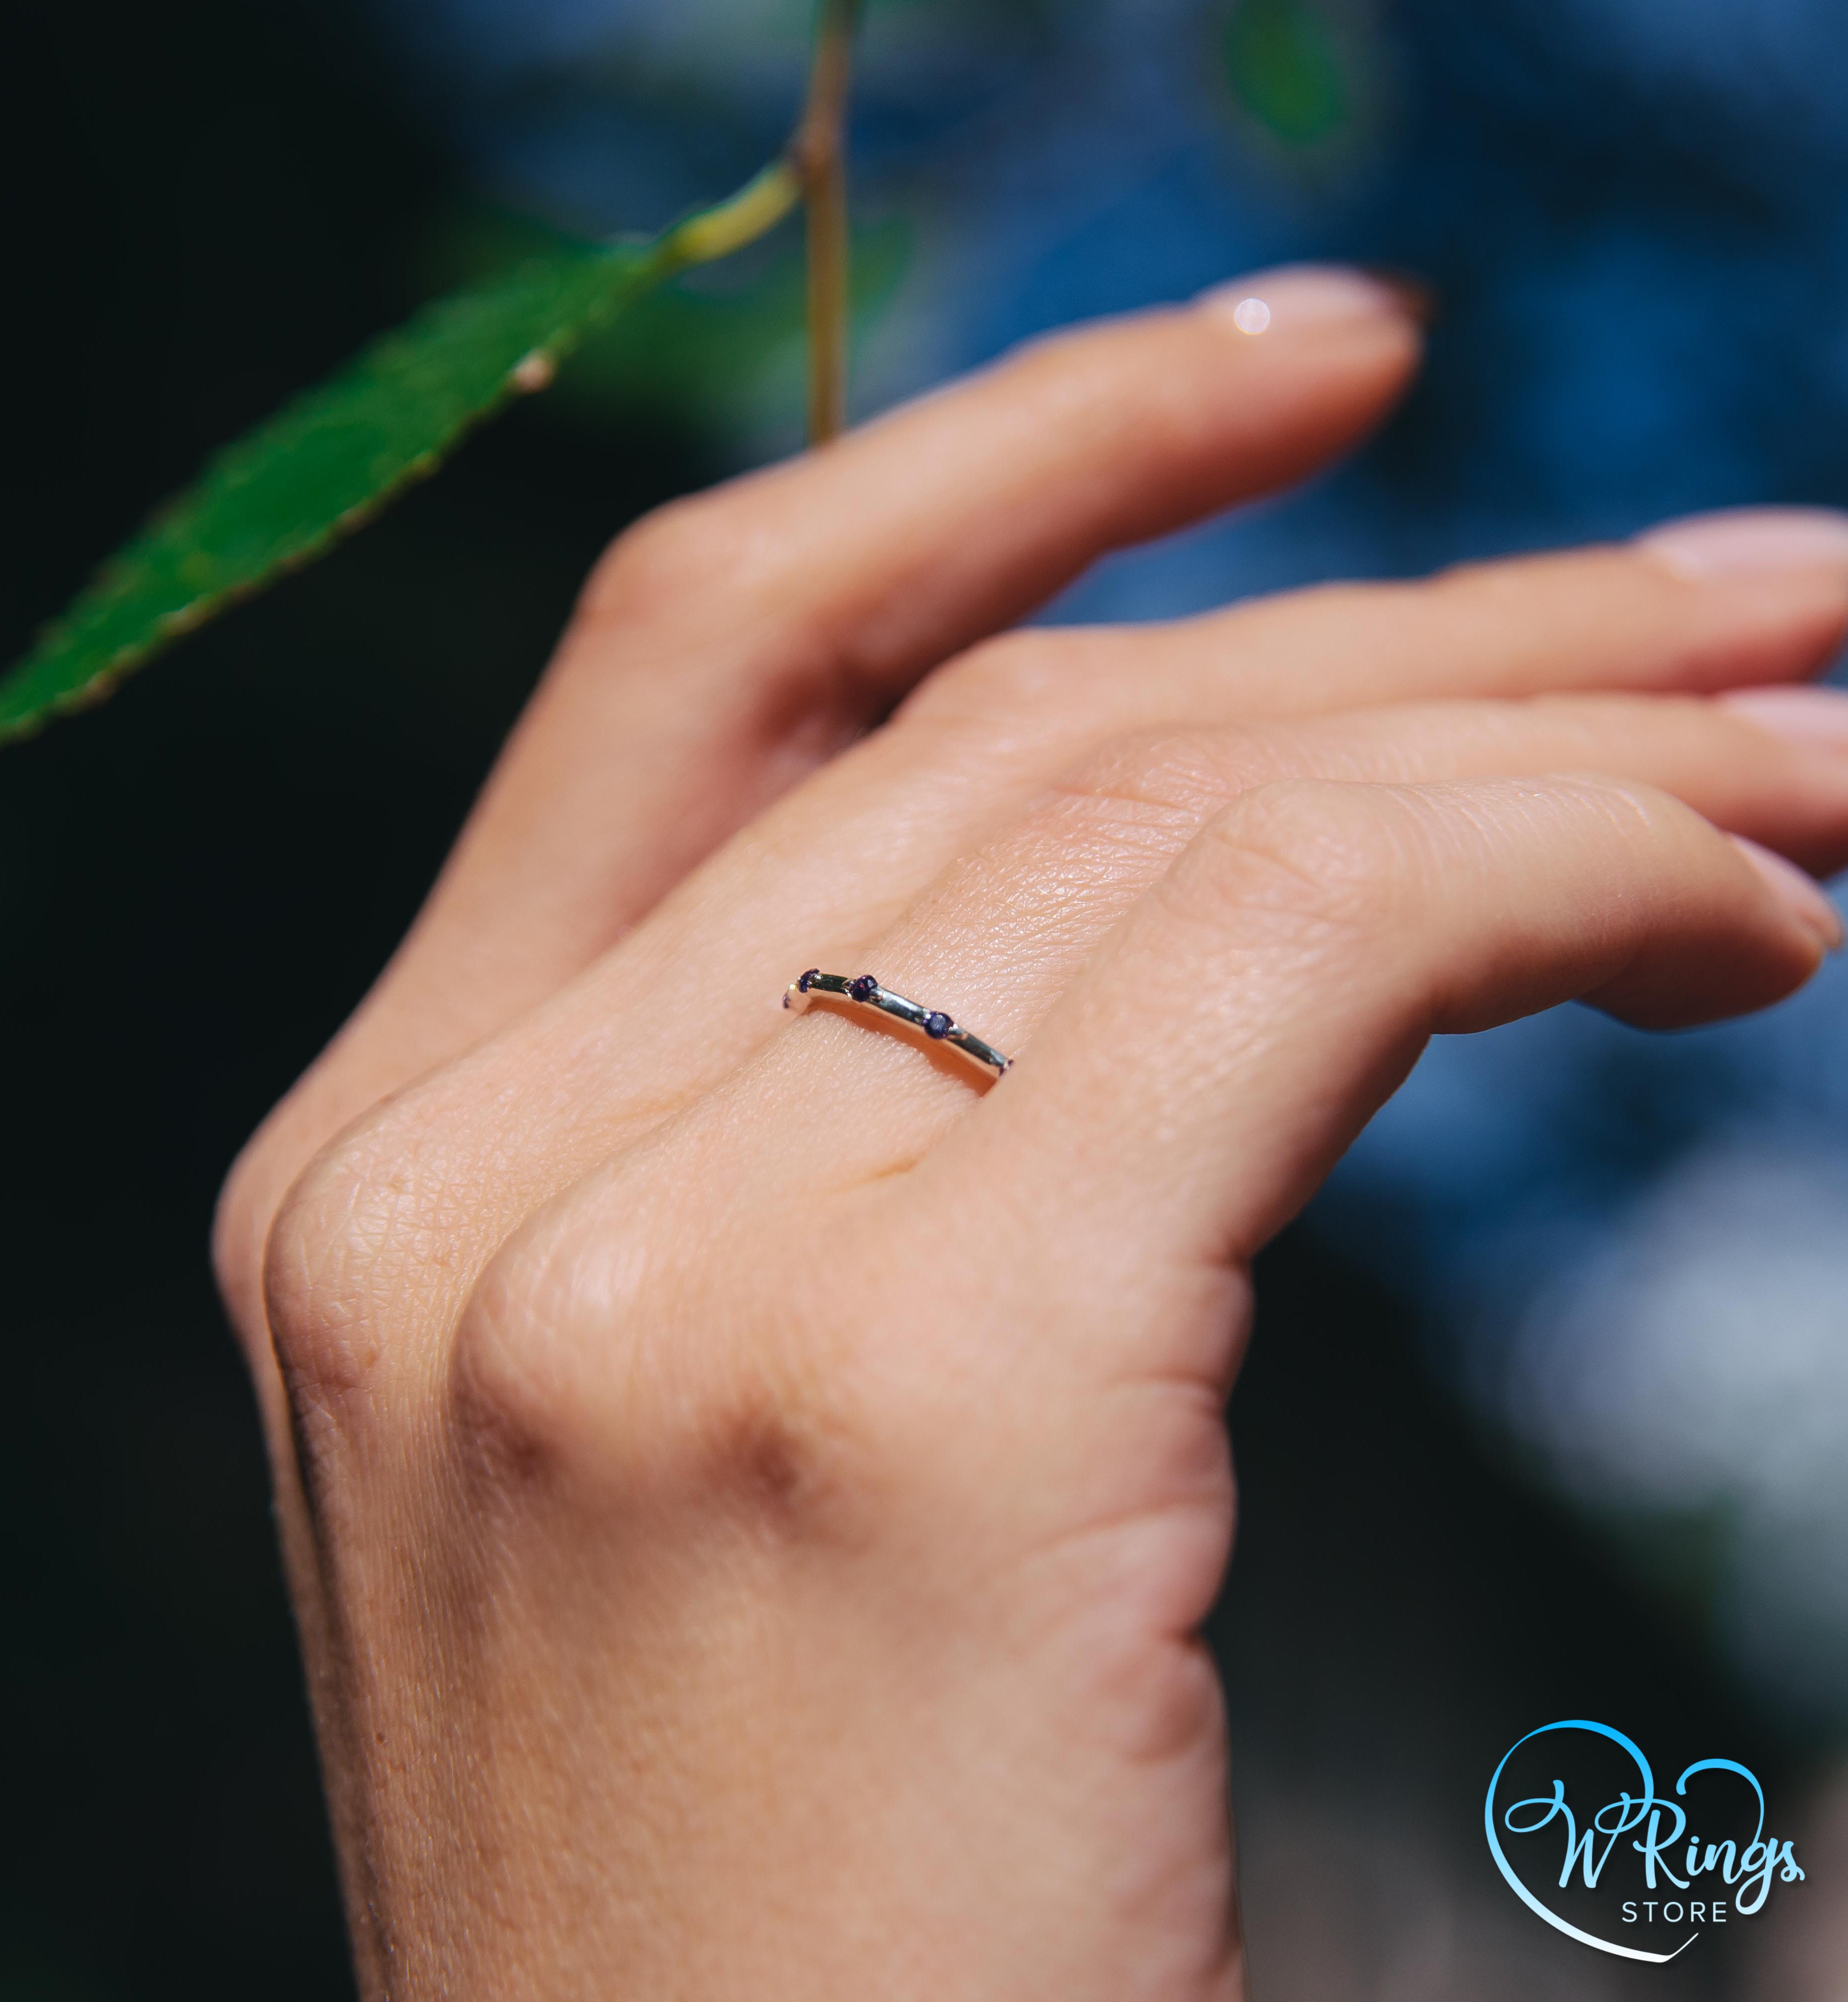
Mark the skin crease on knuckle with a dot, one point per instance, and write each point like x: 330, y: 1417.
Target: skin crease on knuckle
x: 1107, y: 829
x: 653, y: 1338
x: 1314, y: 862
x: 368, y: 1233
x: 1331, y: 877
x: 657, y: 572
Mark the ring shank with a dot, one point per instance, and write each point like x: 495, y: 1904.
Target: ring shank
x: 862, y: 991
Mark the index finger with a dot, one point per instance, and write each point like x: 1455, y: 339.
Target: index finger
x: 735, y: 640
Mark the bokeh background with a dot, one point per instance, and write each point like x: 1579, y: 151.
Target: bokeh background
x: 1548, y: 1414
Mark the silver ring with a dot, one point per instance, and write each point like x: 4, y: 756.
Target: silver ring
x: 865, y: 991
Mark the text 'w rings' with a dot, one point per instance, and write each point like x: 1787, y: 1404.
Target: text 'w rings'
x: 863, y: 991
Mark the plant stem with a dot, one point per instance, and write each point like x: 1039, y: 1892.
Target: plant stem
x: 818, y: 154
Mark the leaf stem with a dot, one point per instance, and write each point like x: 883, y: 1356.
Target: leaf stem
x: 817, y: 154
x: 758, y: 207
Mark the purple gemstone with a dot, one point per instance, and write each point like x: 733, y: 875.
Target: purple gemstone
x: 937, y: 1025
x: 864, y: 989
x: 807, y: 980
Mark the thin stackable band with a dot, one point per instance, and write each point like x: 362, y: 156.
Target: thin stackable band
x: 863, y: 991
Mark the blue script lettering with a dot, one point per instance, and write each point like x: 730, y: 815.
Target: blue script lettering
x: 1756, y: 1867
x: 1661, y: 1836
x: 1579, y: 1848
x: 1652, y: 1850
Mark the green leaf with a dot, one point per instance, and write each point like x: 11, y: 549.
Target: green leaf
x: 283, y: 493
x: 1285, y: 69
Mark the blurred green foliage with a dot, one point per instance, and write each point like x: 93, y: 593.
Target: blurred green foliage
x: 714, y: 354
x: 1286, y: 67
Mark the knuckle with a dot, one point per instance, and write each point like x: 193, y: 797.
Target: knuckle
x: 239, y: 1225
x: 353, y: 1272
x: 623, y: 1363
x: 1015, y: 675
x: 315, y: 1281
x: 667, y: 560
x: 1630, y: 799
x: 1189, y: 773
x: 1336, y: 855
x: 1639, y: 818
x: 518, y: 1379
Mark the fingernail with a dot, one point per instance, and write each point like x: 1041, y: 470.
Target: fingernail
x: 1795, y: 892
x: 1751, y: 540
x: 1416, y: 296
x: 1810, y: 716
x: 1298, y: 297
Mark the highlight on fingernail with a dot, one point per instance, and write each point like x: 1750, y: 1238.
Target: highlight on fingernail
x: 1298, y: 297
x: 1796, y: 892
x: 1748, y: 540
x: 1251, y: 316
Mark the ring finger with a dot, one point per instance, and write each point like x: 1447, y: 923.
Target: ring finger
x: 1004, y: 930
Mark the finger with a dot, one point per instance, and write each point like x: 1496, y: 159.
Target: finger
x: 1200, y: 1078
x: 1762, y: 764
x: 1767, y: 600
x: 735, y: 639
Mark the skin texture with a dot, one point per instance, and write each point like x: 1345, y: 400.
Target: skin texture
x: 751, y: 1494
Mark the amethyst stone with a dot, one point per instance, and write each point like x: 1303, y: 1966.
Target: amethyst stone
x: 937, y: 1025
x: 807, y: 980
x: 864, y: 989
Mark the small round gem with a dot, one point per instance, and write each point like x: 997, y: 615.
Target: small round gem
x: 864, y: 989
x: 937, y: 1025
x: 807, y: 980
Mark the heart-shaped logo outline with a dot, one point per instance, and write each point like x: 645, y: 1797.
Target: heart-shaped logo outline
x: 1647, y: 1796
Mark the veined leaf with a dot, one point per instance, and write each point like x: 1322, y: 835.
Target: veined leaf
x: 326, y: 463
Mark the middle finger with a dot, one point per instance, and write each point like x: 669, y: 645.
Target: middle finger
x: 1725, y: 601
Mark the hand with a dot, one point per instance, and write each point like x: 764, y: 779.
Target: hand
x: 751, y: 1494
